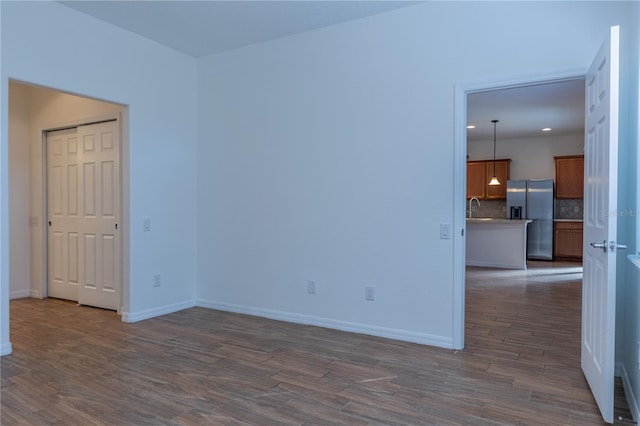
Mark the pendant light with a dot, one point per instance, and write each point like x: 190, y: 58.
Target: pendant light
x: 494, y: 180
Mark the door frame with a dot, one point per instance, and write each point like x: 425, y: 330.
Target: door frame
x: 460, y: 179
x: 123, y: 204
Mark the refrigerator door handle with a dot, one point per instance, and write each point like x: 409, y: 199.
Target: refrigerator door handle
x: 526, y: 200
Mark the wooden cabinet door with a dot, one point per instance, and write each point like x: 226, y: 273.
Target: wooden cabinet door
x: 502, y: 173
x: 476, y: 179
x: 568, y: 240
x: 570, y: 176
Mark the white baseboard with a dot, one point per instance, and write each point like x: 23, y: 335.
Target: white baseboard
x: 35, y: 294
x: 156, y: 312
x: 621, y: 371
x: 19, y: 294
x: 5, y: 349
x: 390, y: 333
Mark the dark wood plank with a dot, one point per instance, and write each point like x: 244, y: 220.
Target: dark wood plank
x: 521, y: 365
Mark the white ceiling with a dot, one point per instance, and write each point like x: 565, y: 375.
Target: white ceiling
x: 204, y: 27
x: 201, y: 28
x: 524, y: 111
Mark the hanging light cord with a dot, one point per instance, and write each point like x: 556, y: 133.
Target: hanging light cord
x: 494, y: 147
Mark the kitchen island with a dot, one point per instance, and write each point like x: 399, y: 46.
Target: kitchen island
x: 497, y: 243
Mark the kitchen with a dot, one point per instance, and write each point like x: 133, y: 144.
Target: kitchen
x: 523, y: 136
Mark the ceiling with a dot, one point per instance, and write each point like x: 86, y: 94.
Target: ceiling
x: 201, y: 28
x: 524, y: 111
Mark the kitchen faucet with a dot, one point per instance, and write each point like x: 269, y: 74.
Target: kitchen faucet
x: 477, y: 201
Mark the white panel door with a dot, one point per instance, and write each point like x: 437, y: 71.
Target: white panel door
x: 62, y: 206
x: 98, y: 200
x: 600, y: 200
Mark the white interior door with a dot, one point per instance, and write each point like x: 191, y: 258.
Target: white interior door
x: 83, y: 204
x: 62, y: 206
x: 600, y: 201
x: 99, y: 247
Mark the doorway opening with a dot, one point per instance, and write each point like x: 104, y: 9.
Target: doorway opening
x: 34, y: 111
x: 522, y: 106
x: 541, y: 127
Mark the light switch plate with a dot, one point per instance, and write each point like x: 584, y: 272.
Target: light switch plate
x: 445, y: 231
x: 311, y: 287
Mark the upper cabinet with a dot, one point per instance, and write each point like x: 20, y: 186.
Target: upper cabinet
x: 570, y: 176
x: 479, y: 173
x: 476, y: 185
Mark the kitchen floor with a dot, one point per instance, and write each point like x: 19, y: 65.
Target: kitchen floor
x: 528, y: 324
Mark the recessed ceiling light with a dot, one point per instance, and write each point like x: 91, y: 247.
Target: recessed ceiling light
x: 546, y: 129
x: 471, y: 126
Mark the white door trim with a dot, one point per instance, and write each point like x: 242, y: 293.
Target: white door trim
x: 123, y: 286
x: 460, y: 179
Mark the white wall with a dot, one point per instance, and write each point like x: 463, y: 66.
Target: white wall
x: 5, y: 344
x: 531, y: 158
x: 19, y: 274
x: 628, y: 275
x: 93, y: 58
x: 329, y: 156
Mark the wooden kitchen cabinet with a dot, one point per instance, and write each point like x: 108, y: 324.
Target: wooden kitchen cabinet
x: 476, y: 186
x: 570, y: 176
x: 568, y: 241
x: 479, y: 173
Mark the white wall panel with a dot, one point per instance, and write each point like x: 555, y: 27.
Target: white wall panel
x: 328, y: 156
x: 531, y: 158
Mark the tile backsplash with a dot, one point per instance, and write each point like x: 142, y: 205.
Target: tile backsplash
x: 569, y: 209
x: 564, y: 209
x: 489, y: 208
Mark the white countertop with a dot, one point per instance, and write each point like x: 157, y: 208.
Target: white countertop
x: 491, y: 220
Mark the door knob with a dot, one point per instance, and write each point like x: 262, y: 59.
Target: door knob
x: 613, y: 246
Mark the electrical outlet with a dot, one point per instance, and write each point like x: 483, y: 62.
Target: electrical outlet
x: 576, y: 209
x: 156, y: 280
x: 370, y: 293
x: 146, y: 225
x: 311, y: 287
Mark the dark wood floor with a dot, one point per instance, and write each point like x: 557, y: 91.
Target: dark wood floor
x: 82, y: 366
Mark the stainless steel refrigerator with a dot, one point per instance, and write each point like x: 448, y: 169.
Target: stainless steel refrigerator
x: 533, y: 199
